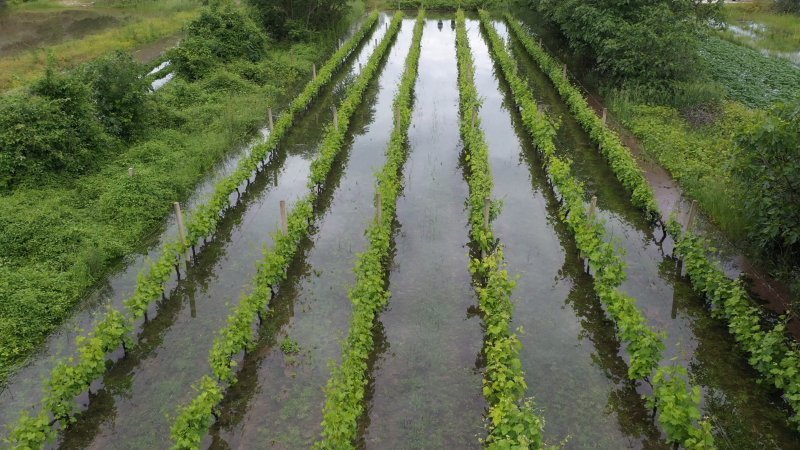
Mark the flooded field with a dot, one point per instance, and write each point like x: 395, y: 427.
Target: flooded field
x: 428, y: 365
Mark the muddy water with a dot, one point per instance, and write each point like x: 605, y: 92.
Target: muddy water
x: 426, y: 391
x: 20, y: 31
x: 279, y: 402
x: 260, y: 214
x: 569, y: 354
x: 744, y: 413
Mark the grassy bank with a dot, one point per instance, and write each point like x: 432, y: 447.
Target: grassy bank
x: 111, y: 26
x: 61, y: 238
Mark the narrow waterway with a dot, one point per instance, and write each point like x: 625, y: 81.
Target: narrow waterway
x: 278, y: 402
x: 426, y: 391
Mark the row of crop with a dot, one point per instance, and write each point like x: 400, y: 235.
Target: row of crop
x: 70, y: 378
x: 346, y: 389
x: 513, y: 422
x: 775, y: 356
x: 677, y: 403
x: 620, y: 159
x: 193, y: 421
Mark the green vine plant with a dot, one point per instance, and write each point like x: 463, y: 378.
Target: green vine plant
x: 676, y: 401
x: 619, y: 157
x: 346, y: 388
x: 775, y: 356
x: 193, y: 420
x: 772, y: 353
x: 73, y: 376
x: 512, y: 419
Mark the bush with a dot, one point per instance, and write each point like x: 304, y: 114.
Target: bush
x: 52, y: 128
x: 120, y: 93
x: 788, y: 6
x: 768, y: 167
x: 643, y: 41
x: 296, y: 19
x: 221, y: 34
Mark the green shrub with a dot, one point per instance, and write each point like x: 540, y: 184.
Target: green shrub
x: 52, y: 128
x: 297, y: 19
x: 221, y: 34
x: 768, y: 167
x: 120, y: 92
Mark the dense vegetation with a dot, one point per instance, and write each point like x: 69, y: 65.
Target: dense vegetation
x: 639, y: 41
x: 70, y: 215
x: 296, y: 19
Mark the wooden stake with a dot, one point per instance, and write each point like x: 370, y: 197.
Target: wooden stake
x: 181, y: 226
x: 314, y: 70
x: 692, y: 214
x: 487, y: 205
x: 378, y: 208
x: 335, y: 118
x: 565, y: 70
x: 271, y: 121
x: 593, y: 207
x: 131, y: 172
x: 605, y: 114
x: 284, y: 223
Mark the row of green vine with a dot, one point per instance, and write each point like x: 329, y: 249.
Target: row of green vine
x: 193, y: 420
x: 344, y: 394
x: 772, y: 354
x: 620, y: 159
x: 677, y: 402
x: 512, y: 420
x: 74, y: 375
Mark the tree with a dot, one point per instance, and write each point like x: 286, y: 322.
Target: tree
x: 294, y: 19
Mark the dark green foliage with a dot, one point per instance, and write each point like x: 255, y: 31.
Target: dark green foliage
x: 641, y: 41
x: 768, y: 166
x: 788, y: 6
x: 296, y: 19
x: 221, y: 34
x: 52, y: 128
x: 120, y: 93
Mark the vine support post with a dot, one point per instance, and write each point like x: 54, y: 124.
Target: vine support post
x: 564, y: 70
x: 335, y: 118
x: 593, y: 207
x: 487, y: 206
x: 692, y: 214
x: 314, y: 70
x: 378, y: 207
x: 284, y: 223
x: 131, y: 171
x: 181, y: 227
x: 605, y: 115
x: 271, y: 121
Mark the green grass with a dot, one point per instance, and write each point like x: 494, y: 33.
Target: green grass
x: 782, y: 31
x: 61, y: 237
x: 698, y: 157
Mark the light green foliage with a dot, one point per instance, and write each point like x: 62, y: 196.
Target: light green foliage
x: 772, y: 354
x: 701, y: 158
x: 644, y: 346
x: 513, y: 422
x: 749, y: 76
x: 622, y: 163
x: 238, y: 336
x: 72, y: 377
x: 289, y: 346
x: 193, y: 419
x: 344, y: 394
